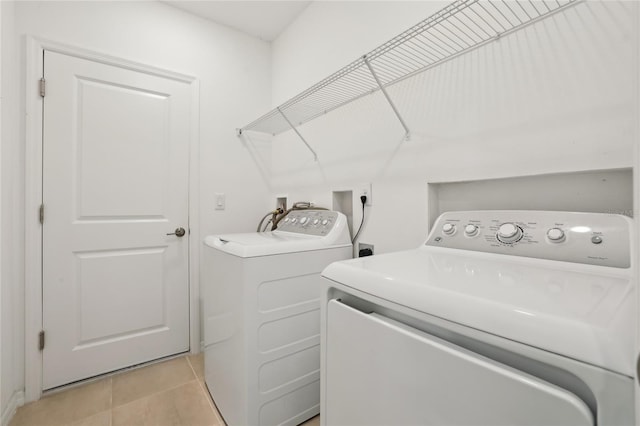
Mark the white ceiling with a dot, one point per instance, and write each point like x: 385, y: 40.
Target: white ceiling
x: 262, y: 19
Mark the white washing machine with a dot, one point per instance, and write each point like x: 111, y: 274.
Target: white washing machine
x: 500, y: 318
x: 261, y: 295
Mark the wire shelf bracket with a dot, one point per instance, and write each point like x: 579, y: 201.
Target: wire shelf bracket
x: 315, y: 156
x: 407, y: 133
x: 460, y: 27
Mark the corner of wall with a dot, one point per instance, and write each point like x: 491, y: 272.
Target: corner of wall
x: 16, y: 400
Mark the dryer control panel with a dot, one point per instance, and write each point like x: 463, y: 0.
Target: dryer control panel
x: 590, y: 238
x: 309, y: 222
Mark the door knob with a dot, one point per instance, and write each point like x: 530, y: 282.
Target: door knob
x: 179, y: 232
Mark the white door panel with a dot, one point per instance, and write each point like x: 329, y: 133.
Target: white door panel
x: 115, y: 167
x: 132, y: 144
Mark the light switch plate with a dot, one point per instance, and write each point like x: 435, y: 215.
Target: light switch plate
x: 220, y: 201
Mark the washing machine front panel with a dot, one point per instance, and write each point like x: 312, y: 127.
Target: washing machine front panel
x: 421, y: 379
x: 608, y: 395
x: 261, y: 294
x: 547, y: 295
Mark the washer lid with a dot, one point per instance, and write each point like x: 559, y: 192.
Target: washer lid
x: 269, y: 243
x: 583, y: 312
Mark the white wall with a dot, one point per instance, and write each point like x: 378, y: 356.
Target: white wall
x: 11, y: 224
x: 234, y: 74
x: 328, y: 35
x: 601, y: 191
x: 1, y: 281
x: 553, y: 97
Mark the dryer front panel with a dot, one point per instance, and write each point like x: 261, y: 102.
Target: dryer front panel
x: 381, y: 372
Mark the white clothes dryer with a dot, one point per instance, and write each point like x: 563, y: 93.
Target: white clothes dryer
x: 500, y: 318
x: 261, y: 296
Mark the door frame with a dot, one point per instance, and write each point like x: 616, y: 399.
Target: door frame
x: 636, y: 198
x: 33, y: 196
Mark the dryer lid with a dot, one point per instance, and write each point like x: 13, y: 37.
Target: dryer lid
x: 580, y: 311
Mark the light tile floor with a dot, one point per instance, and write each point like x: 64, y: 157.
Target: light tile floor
x: 168, y: 393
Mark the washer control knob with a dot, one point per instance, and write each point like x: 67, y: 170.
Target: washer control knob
x: 324, y: 222
x: 596, y: 239
x: 286, y: 220
x: 316, y: 221
x: 303, y: 220
x: 294, y: 220
x: 449, y: 229
x: 509, y: 233
x: 471, y: 230
x: 555, y: 235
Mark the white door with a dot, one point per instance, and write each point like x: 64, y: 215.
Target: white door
x: 115, y: 184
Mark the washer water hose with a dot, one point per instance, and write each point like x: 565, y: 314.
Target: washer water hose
x: 274, y: 215
x: 278, y: 214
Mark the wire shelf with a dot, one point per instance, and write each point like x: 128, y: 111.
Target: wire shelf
x: 458, y: 28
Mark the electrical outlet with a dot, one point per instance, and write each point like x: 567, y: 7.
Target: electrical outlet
x: 281, y: 202
x: 366, y: 189
x: 365, y: 249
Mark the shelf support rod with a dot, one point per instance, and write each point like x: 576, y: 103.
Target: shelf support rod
x: 407, y: 134
x: 315, y: 156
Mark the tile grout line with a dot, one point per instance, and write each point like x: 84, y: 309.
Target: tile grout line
x: 212, y: 407
x: 110, y: 408
x: 111, y: 403
x: 110, y: 383
x: 203, y: 388
x: 157, y: 392
x: 111, y: 374
x: 88, y: 416
x: 193, y: 370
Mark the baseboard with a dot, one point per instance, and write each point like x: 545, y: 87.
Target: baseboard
x: 17, y: 400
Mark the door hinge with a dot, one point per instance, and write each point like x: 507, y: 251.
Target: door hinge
x: 41, y: 340
x: 43, y: 87
x: 42, y: 213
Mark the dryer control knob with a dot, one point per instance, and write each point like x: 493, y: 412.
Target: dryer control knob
x: 303, y: 220
x: 324, y: 222
x: 555, y: 235
x: 449, y: 229
x: 509, y: 233
x: 315, y: 221
x: 471, y: 230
